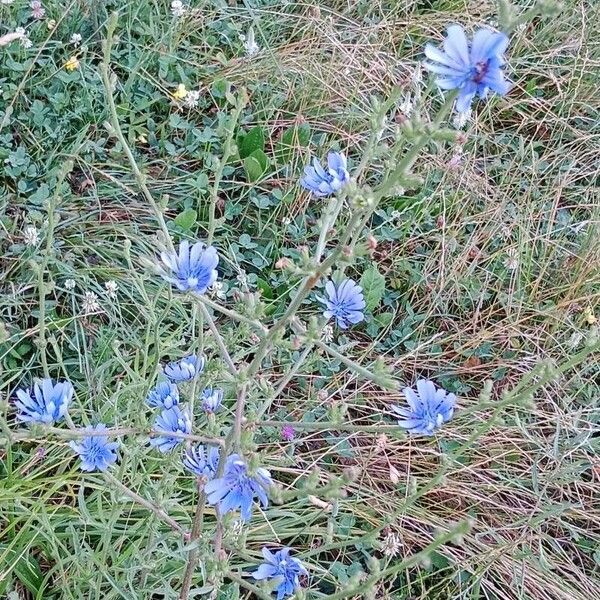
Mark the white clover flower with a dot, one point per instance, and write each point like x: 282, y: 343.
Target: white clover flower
x: 407, y: 105
x: 249, y: 42
x: 511, y: 261
x: 391, y: 544
x: 327, y: 334
x: 69, y: 284
x: 75, y: 39
x: 6, y: 1
x: 111, y: 288
x: 461, y: 119
x: 191, y: 98
x: 177, y: 8
x: 217, y: 289
x: 90, y: 303
x: 24, y: 38
x: 31, y: 236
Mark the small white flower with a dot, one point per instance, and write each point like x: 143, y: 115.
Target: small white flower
x: 327, y: 334
x: 461, y: 119
x: 31, y: 236
x: 75, y: 39
x: 177, y: 8
x: 69, y: 284
x: 191, y: 99
x: 6, y: 1
x: 391, y: 544
x: 396, y: 215
x: 286, y: 221
x: 242, y: 278
x: 111, y: 288
x: 90, y: 303
x: 250, y: 44
x: 25, y: 41
x: 511, y: 261
x: 575, y: 339
x: 217, y: 289
x: 51, y: 24
x: 406, y: 106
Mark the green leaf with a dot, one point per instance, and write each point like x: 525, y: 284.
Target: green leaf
x: 254, y: 140
x: 26, y: 568
x: 187, y: 218
x: 373, y: 285
x: 256, y: 165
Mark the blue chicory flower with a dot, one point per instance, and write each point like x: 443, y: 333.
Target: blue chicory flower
x: 95, y: 451
x: 192, y: 270
x: 428, y: 408
x: 185, y: 369
x: 171, y: 419
x: 325, y: 182
x: 211, y: 399
x: 202, y: 461
x: 46, y: 402
x: 472, y: 68
x: 345, y: 303
x: 237, y: 488
x: 163, y: 395
x: 281, y: 566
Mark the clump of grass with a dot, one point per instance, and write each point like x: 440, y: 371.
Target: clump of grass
x: 489, y: 269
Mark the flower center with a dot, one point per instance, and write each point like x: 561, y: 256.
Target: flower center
x: 480, y: 70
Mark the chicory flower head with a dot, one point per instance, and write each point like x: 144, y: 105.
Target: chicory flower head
x: 211, y: 399
x: 172, y: 419
x: 427, y: 410
x: 192, y: 269
x: 46, y: 403
x: 281, y: 566
x: 95, y: 451
x: 471, y: 69
x: 325, y: 182
x: 237, y: 488
x: 344, y: 302
x: 163, y: 395
x: 185, y: 369
x: 202, y: 461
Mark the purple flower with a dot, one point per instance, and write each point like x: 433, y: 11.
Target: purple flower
x: 173, y: 419
x: 185, y: 369
x: 345, y: 303
x: 427, y: 410
x: 37, y: 10
x: 472, y: 68
x: 287, y: 433
x: 202, y: 461
x: 46, y: 402
x: 164, y: 395
x: 237, y: 488
x: 282, y: 567
x: 211, y: 399
x: 192, y: 270
x: 325, y: 182
x: 95, y: 451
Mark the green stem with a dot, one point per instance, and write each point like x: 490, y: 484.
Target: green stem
x: 218, y: 340
x: 222, y: 162
x: 118, y: 132
x: 155, y: 509
x: 383, y: 380
x: 193, y: 554
x: 52, y: 204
